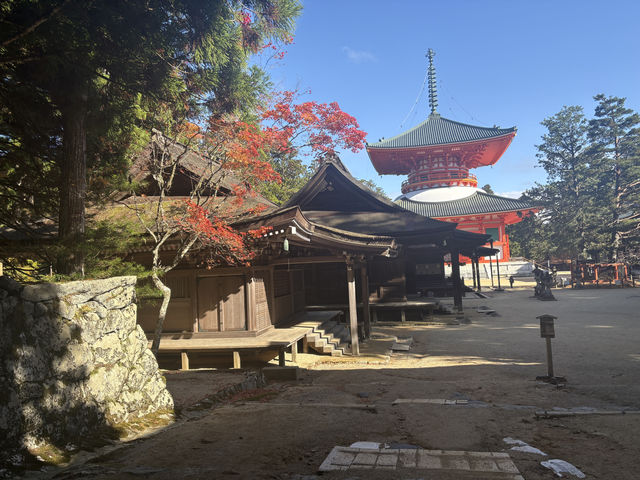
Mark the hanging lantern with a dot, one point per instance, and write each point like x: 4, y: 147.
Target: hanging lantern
x: 285, y: 245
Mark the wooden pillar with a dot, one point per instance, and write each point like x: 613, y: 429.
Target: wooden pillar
x: 236, y: 360
x: 473, y: 271
x: 353, y: 310
x: 294, y: 352
x: 281, y: 357
x: 305, y: 345
x: 184, y: 357
x: 498, y: 271
x: 364, y: 280
x: 491, y: 268
x: 455, y: 276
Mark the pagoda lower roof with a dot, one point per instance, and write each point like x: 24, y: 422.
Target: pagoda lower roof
x: 437, y: 130
x: 474, y: 204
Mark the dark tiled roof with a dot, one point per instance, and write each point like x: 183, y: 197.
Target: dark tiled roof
x: 437, y: 130
x: 476, y: 203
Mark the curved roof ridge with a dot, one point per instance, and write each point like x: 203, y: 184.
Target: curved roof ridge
x: 438, y: 130
x: 476, y: 203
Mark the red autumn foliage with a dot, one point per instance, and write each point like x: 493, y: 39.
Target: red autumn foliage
x: 312, y: 128
x: 243, y: 150
x: 221, y: 241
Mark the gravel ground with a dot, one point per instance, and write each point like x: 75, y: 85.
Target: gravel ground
x: 285, y: 430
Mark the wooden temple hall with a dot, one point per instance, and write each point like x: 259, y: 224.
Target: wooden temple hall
x: 336, y: 256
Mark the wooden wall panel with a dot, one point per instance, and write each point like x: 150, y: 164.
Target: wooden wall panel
x: 178, y: 317
x: 208, y: 304
x: 262, y: 281
x: 234, y: 314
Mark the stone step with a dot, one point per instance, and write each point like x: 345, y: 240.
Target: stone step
x: 329, y: 337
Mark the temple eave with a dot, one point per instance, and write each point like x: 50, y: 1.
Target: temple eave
x: 476, y: 153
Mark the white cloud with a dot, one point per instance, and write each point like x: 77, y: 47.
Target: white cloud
x: 511, y: 194
x: 359, y: 56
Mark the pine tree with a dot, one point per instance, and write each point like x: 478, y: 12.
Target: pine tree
x: 615, y: 147
x: 568, y: 195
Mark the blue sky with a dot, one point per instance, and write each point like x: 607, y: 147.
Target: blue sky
x: 506, y: 63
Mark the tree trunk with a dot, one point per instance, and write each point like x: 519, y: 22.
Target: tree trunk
x: 73, y: 185
x: 166, y: 296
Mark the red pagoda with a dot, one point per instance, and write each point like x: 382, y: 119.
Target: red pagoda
x: 437, y: 156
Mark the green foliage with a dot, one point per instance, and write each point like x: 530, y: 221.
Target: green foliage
x: 113, y: 69
x: 592, y: 197
x: 294, y: 173
x: 487, y: 188
x: 373, y: 186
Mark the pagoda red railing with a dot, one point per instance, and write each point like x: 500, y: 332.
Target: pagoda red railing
x: 427, y: 180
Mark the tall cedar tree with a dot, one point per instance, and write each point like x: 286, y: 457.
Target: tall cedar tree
x: 569, y: 194
x: 615, y: 138
x: 76, y: 59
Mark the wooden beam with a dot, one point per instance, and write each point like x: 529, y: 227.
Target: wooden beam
x: 353, y: 310
x: 236, y: 360
x: 366, y: 312
x: 306, y: 260
x: 184, y: 357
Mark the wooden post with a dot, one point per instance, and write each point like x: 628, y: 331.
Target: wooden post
x: 353, y: 312
x: 455, y: 275
x: 364, y: 279
x: 491, y: 268
x: 294, y: 352
x: 473, y: 271
x: 236, y: 360
x: 498, y: 271
x: 305, y: 345
x: 281, y: 358
x: 549, y: 358
x: 185, y: 360
x: 478, y: 273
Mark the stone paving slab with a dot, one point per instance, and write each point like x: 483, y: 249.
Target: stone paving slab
x: 484, y: 465
x: 435, y: 401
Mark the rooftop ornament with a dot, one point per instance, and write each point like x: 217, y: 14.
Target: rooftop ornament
x: 433, y: 92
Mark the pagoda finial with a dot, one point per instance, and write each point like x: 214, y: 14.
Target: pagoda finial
x: 433, y: 92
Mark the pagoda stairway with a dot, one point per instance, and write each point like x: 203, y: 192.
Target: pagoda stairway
x: 329, y: 337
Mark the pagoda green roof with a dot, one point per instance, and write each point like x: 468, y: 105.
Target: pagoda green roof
x: 437, y: 130
x: 476, y: 203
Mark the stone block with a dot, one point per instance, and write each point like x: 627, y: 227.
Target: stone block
x: 343, y: 459
x: 428, y: 461
x: 365, y: 459
x: 288, y: 373
x: 483, y: 465
x: 506, y: 465
x: 408, y: 458
x: 455, y: 463
x: 387, y: 459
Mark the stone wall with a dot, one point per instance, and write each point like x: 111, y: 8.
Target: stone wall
x: 75, y: 367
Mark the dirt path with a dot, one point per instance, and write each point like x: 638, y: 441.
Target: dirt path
x: 286, y: 430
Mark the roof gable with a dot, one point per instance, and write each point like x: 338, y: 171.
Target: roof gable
x: 332, y: 188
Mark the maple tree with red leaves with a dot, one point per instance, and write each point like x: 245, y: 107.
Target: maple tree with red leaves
x: 235, y: 157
